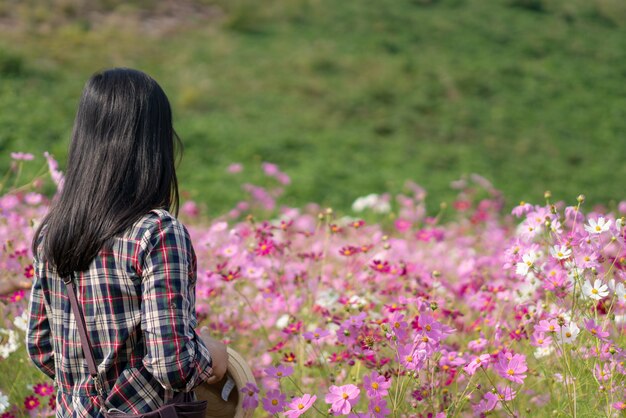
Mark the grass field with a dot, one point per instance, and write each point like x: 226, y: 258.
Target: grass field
x: 348, y: 97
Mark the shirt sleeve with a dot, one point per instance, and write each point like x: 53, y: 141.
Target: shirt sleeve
x: 175, y: 355
x: 38, y: 334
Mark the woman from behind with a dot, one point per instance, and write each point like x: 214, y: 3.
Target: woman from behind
x: 112, y: 226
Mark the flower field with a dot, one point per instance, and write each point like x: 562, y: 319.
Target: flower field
x: 387, y: 312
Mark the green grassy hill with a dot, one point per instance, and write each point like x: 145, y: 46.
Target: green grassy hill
x: 348, y: 97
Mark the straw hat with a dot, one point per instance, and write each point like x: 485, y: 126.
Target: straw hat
x: 240, y: 373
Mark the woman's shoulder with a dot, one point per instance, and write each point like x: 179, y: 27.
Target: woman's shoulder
x: 157, y: 221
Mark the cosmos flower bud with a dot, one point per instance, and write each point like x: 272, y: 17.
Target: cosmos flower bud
x: 547, y: 194
x: 580, y: 198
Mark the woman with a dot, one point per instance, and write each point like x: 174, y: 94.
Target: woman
x: 134, y: 263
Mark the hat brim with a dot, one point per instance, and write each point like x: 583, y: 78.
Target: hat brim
x: 241, y: 374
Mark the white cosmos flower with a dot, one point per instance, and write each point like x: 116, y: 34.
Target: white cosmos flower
x: 528, y: 261
x: 543, y: 351
x: 597, y: 291
x: 560, y: 252
x: 11, y: 345
x: 598, y: 226
x: 372, y: 201
x: 21, y: 322
x: 365, y: 202
x: 620, y: 292
x: 568, y: 333
x: 4, y: 402
x: 282, y: 322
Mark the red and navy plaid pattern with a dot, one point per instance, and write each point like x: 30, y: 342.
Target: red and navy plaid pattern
x: 138, y: 301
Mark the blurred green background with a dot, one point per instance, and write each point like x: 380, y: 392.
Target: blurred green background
x: 349, y: 97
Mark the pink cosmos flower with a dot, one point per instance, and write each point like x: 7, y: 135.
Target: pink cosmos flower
x: 596, y: 330
x: 270, y: 169
x: 53, y: 167
x: 376, y: 385
x: 250, y: 396
x: 522, y: 209
x: 398, y: 325
x: 432, y: 328
x: 316, y: 335
x: 279, y: 372
x: 511, y: 366
x: 274, y: 401
x: 342, y: 398
x: 283, y: 178
x: 411, y: 357
x: 479, y: 361
x: 22, y: 156
x: 190, y: 208
x: 548, y: 326
x: 402, y: 225
x: 33, y: 198
x: 300, y: 405
x: 539, y: 339
x: 602, y: 373
x: 378, y: 408
x: 235, y: 168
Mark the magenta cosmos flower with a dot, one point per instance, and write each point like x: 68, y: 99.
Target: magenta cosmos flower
x: 376, y: 385
x: 300, y: 405
x: 342, y: 398
x: 274, y: 401
x: 250, y: 396
x: 279, y: 372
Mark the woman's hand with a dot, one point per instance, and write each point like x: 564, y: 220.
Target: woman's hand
x: 219, y: 356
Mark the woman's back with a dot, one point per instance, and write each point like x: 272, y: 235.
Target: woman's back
x: 138, y: 299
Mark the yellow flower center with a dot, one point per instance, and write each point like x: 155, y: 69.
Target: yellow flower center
x: 598, y: 228
x: 594, y: 291
x: 274, y: 402
x: 345, y: 396
x: 374, y: 385
x: 300, y: 406
x: 377, y: 408
x: 409, y: 359
x: 510, y: 372
x: 428, y: 328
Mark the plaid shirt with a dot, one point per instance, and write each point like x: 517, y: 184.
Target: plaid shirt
x: 138, y: 300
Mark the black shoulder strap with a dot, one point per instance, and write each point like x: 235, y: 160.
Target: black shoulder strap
x: 84, y: 338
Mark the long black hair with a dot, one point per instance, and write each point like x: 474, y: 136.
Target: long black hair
x: 121, y: 164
